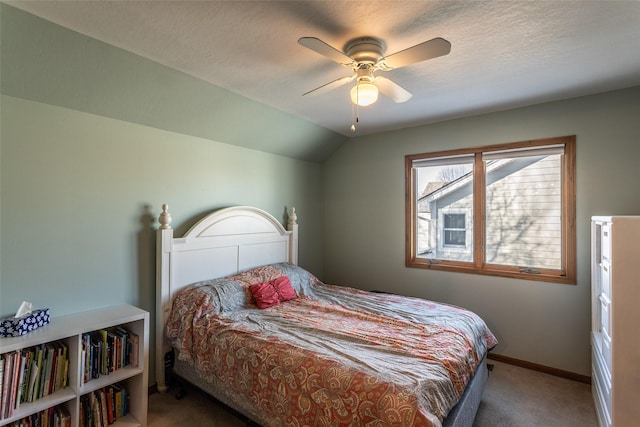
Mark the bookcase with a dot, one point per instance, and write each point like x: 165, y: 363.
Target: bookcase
x: 67, y: 332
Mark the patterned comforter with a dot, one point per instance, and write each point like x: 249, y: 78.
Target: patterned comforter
x: 334, y: 356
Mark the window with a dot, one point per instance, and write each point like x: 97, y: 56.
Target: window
x: 454, y: 230
x: 505, y: 210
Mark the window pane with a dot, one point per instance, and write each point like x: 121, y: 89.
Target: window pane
x: 454, y: 237
x: 444, y: 209
x: 524, y: 211
x: 454, y: 221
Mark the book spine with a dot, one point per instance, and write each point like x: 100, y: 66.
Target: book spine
x: 14, y: 381
x: 1, y: 382
x: 6, y: 382
x: 22, y: 359
x: 134, y: 350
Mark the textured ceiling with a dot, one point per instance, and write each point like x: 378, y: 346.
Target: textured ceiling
x: 503, y: 53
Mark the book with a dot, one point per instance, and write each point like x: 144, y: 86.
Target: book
x: 1, y: 380
x: 105, y: 353
x: 134, y: 349
x: 95, y: 410
x: 102, y: 396
x: 111, y: 414
x: 54, y: 366
x: 28, y: 355
x: 14, y: 381
x: 42, y: 361
x: 96, y: 357
x: 64, y: 416
x: 84, y: 418
x: 22, y: 360
x: 33, y: 375
x: 43, y: 371
x: 118, y: 400
x: 44, y: 418
x: 86, y: 357
x: 65, y: 373
x: 125, y: 402
x: 60, y: 362
x: 6, y: 382
x: 83, y: 365
x: 124, y: 343
x: 112, y: 359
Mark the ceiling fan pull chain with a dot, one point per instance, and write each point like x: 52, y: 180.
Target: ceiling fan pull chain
x: 358, y: 104
x: 353, y: 117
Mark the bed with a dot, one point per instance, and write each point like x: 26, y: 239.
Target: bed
x: 268, y: 339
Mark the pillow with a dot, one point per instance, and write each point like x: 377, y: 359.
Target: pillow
x: 268, y: 294
x: 284, y: 289
x: 265, y: 294
x: 301, y: 280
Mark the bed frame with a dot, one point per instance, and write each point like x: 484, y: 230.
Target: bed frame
x: 229, y: 241
x: 223, y: 243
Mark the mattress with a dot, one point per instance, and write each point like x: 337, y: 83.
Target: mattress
x: 331, y: 356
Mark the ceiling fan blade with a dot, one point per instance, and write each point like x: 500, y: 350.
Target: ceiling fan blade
x: 324, y: 49
x: 420, y: 52
x: 393, y: 90
x: 330, y: 86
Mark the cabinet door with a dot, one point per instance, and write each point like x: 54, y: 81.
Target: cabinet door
x: 605, y: 242
x: 605, y: 314
x: 605, y: 279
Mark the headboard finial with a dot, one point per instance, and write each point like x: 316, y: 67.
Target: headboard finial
x: 165, y: 217
x: 293, y: 218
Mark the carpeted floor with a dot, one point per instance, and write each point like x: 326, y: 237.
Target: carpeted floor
x: 514, y: 397
x: 519, y: 397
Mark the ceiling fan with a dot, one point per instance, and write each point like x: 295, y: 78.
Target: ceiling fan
x: 365, y: 56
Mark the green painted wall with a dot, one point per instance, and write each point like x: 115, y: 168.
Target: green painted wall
x: 45, y: 62
x: 94, y: 139
x: 81, y: 192
x: 543, y: 323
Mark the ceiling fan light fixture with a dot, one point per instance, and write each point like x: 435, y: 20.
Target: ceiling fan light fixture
x: 364, y: 94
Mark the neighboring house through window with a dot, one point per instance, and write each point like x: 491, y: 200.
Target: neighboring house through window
x: 506, y: 210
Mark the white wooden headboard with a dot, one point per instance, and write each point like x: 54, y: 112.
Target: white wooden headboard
x: 223, y: 243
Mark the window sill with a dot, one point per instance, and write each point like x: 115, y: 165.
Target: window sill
x: 489, y: 270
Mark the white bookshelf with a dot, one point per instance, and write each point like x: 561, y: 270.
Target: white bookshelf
x: 69, y: 329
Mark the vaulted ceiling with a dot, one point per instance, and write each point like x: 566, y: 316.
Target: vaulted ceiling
x: 504, y: 54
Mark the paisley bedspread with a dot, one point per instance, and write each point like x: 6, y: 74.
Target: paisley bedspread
x: 334, y: 356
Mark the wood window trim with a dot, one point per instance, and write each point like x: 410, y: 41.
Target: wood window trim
x: 567, y: 275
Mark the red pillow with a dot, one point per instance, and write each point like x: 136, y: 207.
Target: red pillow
x: 284, y: 289
x: 268, y: 294
x: 265, y: 294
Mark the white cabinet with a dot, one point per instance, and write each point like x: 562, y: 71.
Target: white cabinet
x: 69, y: 330
x: 615, y: 328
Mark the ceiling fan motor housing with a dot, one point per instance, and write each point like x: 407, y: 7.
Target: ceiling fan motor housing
x: 368, y: 50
